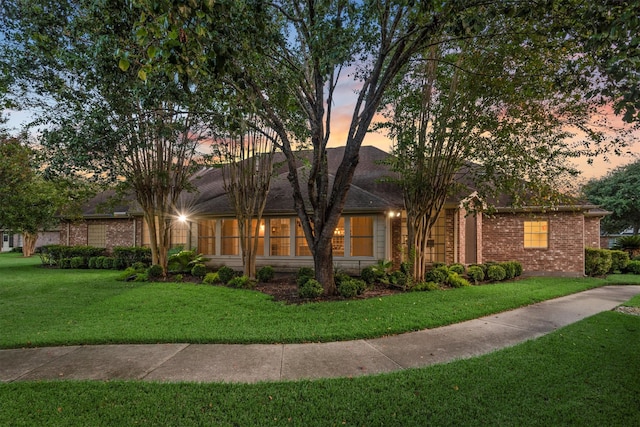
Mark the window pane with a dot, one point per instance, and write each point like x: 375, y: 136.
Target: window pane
x: 338, y: 239
x: 178, y: 234
x: 362, y: 236
x: 279, y: 237
x: 302, y: 249
x: 536, y: 234
x: 436, y: 241
x: 207, y: 237
x: 230, y: 237
x: 260, y: 251
x: 97, y: 235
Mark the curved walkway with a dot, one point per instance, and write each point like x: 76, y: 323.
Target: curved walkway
x: 276, y: 362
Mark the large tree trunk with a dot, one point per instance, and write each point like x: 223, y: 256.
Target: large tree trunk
x: 29, y: 243
x: 323, y: 264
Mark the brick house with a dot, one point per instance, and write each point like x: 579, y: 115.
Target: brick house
x: 373, y: 227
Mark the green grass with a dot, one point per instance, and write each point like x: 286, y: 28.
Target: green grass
x: 43, y: 307
x: 585, y: 374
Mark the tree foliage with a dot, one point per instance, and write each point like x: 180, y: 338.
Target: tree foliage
x: 618, y: 192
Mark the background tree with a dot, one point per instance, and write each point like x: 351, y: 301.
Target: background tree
x: 247, y: 167
x: 618, y: 192
x: 100, y: 118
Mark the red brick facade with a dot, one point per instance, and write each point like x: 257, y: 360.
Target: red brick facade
x: 568, y: 234
x: 118, y: 232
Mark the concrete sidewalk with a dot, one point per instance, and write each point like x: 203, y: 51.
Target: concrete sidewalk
x: 276, y: 362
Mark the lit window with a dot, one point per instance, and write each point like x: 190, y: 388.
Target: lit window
x: 279, y: 237
x: 536, y: 234
x: 361, y: 236
x: 230, y: 238
x: 207, y: 237
x: 302, y: 249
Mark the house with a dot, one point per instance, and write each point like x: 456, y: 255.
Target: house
x: 12, y: 240
x: 372, y: 227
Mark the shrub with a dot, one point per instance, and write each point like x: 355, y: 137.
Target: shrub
x: 242, y: 282
x: 54, y: 254
x: 627, y: 243
x: 633, y: 267
x: 518, y: 266
x: 304, y: 274
x: 154, y: 271
x: 100, y: 261
x: 118, y: 264
x: 199, y: 270
x: 265, y: 274
x: 77, y: 262
x: 126, y: 256
x: 64, y: 263
x: 211, y: 278
x: 425, y: 286
x: 619, y: 261
x: 141, y: 277
x: 496, y: 273
x: 108, y: 262
x: 597, y: 262
x: 475, y: 273
x: 139, y: 265
x: 178, y: 278
x: 455, y: 281
x: 369, y: 275
x: 457, y: 268
x: 225, y: 274
x: 509, y: 270
x: 130, y: 274
x: 406, y: 268
x: 339, y: 278
x: 310, y: 289
x: 399, y: 279
x: 438, y: 274
x: 92, y: 262
x: 348, y: 289
x: 183, y: 261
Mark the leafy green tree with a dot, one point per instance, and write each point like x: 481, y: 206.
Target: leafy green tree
x: 618, y: 192
x: 101, y: 118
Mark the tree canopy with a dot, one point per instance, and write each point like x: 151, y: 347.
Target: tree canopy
x: 618, y: 192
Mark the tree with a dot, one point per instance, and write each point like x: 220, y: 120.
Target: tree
x: 101, y: 118
x: 461, y: 121
x: 247, y: 157
x: 618, y: 192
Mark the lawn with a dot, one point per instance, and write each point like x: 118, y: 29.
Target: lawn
x: 585, y: 374
x: 42, y: 307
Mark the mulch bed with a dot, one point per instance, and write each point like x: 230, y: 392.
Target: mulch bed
x: 285, y: 289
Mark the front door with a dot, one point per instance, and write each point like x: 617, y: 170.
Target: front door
x: 5, y: 241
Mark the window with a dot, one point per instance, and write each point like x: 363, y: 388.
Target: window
x: 536, y: 234
x: 279, y: 239
x: 260, y: 251
x: 230, y: 237
x: 436, y: 242
x: 207, y: 237
x: 338, y: 239
x: 97, y: 235
x: 361, y: 236
x: 302, y: 249
x: 178, y: 234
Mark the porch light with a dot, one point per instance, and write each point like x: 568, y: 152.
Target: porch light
x: 182, y: 218
x: 394, y: 214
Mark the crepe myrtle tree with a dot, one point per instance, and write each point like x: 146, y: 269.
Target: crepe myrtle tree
x: 98, y: 117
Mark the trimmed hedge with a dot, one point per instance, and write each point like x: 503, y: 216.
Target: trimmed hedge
x: 52, y: 255
x: 597, y: 262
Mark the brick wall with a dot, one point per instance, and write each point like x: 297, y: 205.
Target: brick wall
x: 592, y: 232
x: 503, y: 240
x: 119, y: 232
x: 450, y: 236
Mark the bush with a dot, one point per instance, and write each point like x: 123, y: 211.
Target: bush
x: 130, y: 274
x: 92, y: 262
x: 457, y: 268
x: 348, y: 288
x: 154, y: 272
x: 627, y: 243
x: 425, y: 286
x: 437, y: 275
x: 475, y: 273
x: 304, y: 274
x: 496, y: 273
x: 265, y: 274
x: 139, y: 265
x: 399, y: 279
x: 310, y: 289
x: 126, y: 256
x: 211, y: 278
x: 369, y: 275
x: 100, y: 261
x: 78, y: 262
x: 225, y: 274
x: 597, y: 262
x: 455, y: 281
x: 178, y: 278
x: 64, y: 263
x: 241, y: 282
x: 141, y: 277
x: 183, y: 261
x: 107, y: 263
x: 509, y: 270
x: 199, y: 270
x: 54, y: 254
x: 619, y: 261
x: 633, y: 267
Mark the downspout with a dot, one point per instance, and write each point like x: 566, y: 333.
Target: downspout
x: 135, y: 222
x: 68, y: 232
